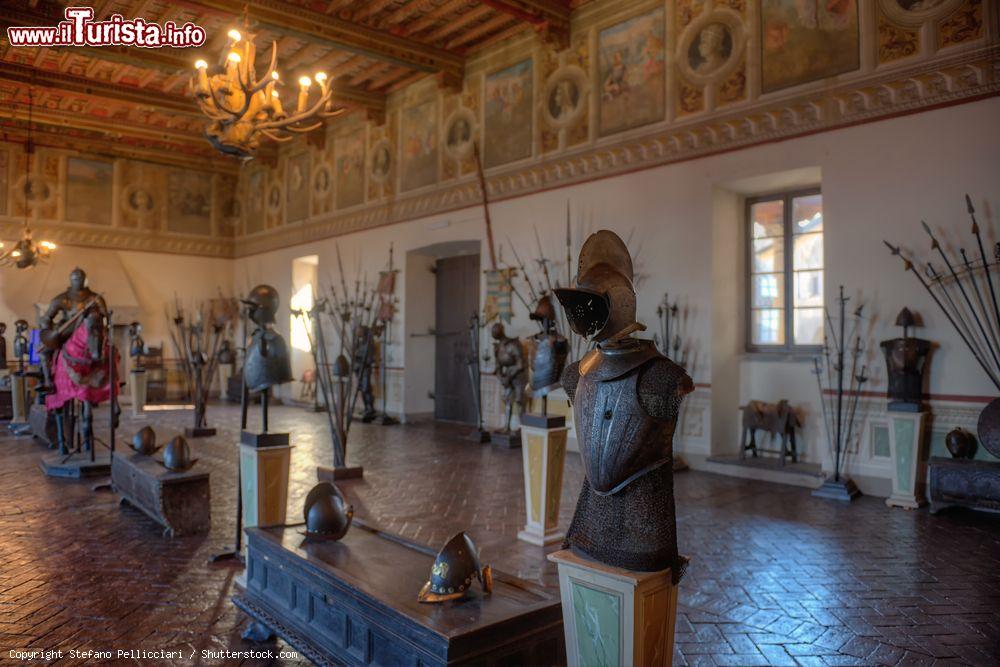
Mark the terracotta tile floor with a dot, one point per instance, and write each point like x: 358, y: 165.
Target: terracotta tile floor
x: 777, y: 577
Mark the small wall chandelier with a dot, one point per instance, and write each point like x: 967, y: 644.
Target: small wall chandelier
x: 26, y: 253
x: 243, y: 108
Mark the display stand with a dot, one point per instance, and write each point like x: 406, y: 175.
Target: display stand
x: 332, y: 474
x: 137, y: 387
x: 225, y: 372
x: 906, y: 439
x: 964, y: 483
x: 19, y: 401
x: 543, y: 454
x: 265, y: 459
x: 508, y: 439
x: 76, y: 465
x: 615, y: 617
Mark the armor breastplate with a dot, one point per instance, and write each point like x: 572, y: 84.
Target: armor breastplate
x: 619, y: 440
x: 548, y: 362
x: 263, y: 371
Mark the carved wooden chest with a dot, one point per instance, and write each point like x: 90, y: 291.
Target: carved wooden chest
x: 179, y: 501
x: 354, y: 602
x: 964, y: 483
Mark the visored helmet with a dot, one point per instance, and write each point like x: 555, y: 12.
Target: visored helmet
x: 544, y: 310
x: 177, y: 455
x: 456, y: 565
x: 602, y: 303
x: 263, y: 301
x: 144, y: 441
x: 327, y: 514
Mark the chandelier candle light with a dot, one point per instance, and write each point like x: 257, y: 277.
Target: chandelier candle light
x: 243, y: 107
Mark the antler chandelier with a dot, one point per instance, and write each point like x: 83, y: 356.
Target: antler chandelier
x: 26, y: 253
x: 243, y: 108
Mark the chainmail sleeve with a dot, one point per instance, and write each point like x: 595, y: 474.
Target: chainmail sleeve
x: 570, y: 376
x: 662, y: 386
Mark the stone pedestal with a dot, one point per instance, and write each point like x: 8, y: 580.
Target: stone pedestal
x: 615, y: 617
x: 137, y: 387
x: 264, y: 480
x: 543, y: 452
x: 906, y: 439
x: 19, y: 399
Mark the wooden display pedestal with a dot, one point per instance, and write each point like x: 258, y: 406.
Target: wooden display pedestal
x: 331, y: 474
x: 76, y: 466
x: 18, y: 401
x: 265, y: 459
x: 906, y: 439
x: 178, y: 501
x: 615, y: 617
x: 138, y: 384
x: 543, y: 454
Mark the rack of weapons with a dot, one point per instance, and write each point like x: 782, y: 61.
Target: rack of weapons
x: 839, y: 403
x: 197, y: 346
x: 965, y: 291
x: 338, y: 382
x: 668, y: 339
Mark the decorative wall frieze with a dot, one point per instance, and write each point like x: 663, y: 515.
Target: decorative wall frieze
x: 119, y: 239
x: 950, y: 79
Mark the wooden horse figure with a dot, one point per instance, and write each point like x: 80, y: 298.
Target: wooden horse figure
x: 81, y: 371
x: 774, y: 418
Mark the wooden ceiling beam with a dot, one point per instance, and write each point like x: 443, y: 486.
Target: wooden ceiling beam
x: 460, y: 22
x: 485, y: 28
x: 287, y: 18
x: 113, y: 127
x: 550, y: 17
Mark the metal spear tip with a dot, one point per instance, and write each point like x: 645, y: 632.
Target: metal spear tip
x: 968, y: 204
x: 892, y: 248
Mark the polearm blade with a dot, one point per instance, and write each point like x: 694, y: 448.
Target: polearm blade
x: 908, y: 266
x: 957, y: 311
x: 975, y: 316
x: 544, y: 262
x: 986, y: 263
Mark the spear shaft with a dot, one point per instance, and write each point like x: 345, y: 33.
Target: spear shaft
x: 986, y: 263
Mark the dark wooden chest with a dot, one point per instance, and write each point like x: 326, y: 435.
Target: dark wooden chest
x: 179, y: 501
x: 354, y: 602
x: 964, y: 483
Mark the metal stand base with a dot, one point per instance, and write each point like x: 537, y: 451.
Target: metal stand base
x: 844, y: 490
x: 199, y: 432
x: 328, y: 474
x: 479, y: 435
x: 508, y: 439
x: 76, y: 466
x: 228, y: 557
x: 386, y: 420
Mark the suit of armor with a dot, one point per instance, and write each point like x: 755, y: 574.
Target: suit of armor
x: 60, y: 311
x: 626, y: 397
x: 364, y: 361
x: 511, y: 370
x: 551, y: 349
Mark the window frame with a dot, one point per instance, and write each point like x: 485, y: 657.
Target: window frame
x: 788, y: 273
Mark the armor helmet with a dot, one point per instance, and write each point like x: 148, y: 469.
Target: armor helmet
x: 603, y: 301
x: 544, y: 310
x: 327, y: 514
x: 497, y: 331
x: 20, y: 326
x: 454, y: 568
x: 341, y: 367
x: 78, y: 278
x: 263, y: 302
x: 177, y: 455
x: 144, y: 441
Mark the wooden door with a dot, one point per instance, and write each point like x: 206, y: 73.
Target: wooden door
x: 456, y: 298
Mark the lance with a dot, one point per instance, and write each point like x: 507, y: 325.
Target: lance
x: 544, y: 262
x: 975, y: 315
x: 958, y: 312
x: 486, y: 206
x: 524, y: 271
x: 982, y: 253
x: 979, y: 297
x: 822, y: 399
x: 908, y: 266
x: 569, y: 252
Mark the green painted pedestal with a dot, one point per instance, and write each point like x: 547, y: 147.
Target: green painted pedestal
x: 614, y: 617
x: 543, y: 451
x: 906, y: 439
x: 264, y: 477
x: 138, y: 386
x: 19, y: 399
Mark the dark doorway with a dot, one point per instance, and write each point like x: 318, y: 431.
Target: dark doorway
x: 456, y: 299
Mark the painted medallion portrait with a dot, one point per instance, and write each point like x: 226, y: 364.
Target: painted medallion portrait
x: 508, y: 116
x: 459, y: 134
x: 564, y: 99
x: 349, y: 152
x: 297, y: 188
x: 88, y: 191
x: 419, y: 148
x: 711, y: 49
x: 807, y: 41
x: 381, y: 165
x: 631, y: 70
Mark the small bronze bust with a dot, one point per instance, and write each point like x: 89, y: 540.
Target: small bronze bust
x: 511, y: 370
x: 906, y: 364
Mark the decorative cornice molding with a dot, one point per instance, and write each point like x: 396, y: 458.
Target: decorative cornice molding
x: 966, y: 76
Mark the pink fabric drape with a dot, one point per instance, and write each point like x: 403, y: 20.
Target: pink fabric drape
x: 75, y: 375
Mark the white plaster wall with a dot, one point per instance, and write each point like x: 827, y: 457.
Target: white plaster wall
x: 878, y: 181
